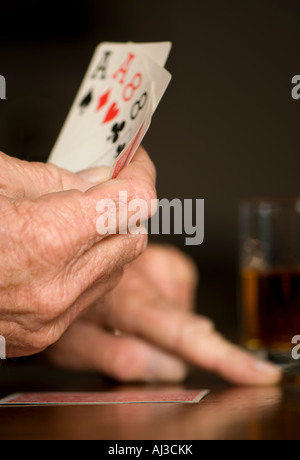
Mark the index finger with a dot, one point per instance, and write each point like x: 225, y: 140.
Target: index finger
x: 189, y: 336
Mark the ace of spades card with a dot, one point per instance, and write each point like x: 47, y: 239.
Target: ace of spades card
x: 114, y: 106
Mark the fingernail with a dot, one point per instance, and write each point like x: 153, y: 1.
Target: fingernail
x: 266, y: 367
x: 95, y: 175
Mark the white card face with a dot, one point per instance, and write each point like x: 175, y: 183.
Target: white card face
x: 120, y: 92
x: 159, y: 52
x: 104, y: 144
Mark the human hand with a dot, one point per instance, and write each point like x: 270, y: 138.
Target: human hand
x: 152, y: 306
x: 53, y: 263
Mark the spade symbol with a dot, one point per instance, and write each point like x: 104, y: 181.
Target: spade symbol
x: 86, y: 101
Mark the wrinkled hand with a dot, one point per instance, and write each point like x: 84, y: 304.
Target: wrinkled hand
x: 53, y: 263
x: 152, y: 306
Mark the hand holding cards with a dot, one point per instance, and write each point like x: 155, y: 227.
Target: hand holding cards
x: 114, y: 106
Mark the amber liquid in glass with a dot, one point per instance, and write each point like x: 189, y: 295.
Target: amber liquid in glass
x: 271, y: 308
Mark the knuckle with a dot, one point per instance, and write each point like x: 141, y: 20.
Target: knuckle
x: 193, y: 326
x: 191, y: 269
x: 146, y: 190
x: 5, y: 167
x: 185, y: 264
x: 29, y: 219
x: 179, y: 374
x: 39, y: 343
x: 54, y: 177
x: 153, y: 169
x: 149, y: 166
x: 52, y: 245
x: 49, y: 302
x: 124, y: 366
x: 150, y: 170
x: 182, y: 373
x: 206, y: 325
x: 44, y: 338
x: 140, y: 242
x: 142, y: 189
x: 25, y: 341
x: 59, y: 179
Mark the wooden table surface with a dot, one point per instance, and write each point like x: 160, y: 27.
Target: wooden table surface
x: 228, y: 412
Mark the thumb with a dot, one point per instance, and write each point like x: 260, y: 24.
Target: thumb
x: 23, y: 179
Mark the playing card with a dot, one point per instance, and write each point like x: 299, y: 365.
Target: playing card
x: 159, y: 52
x: 107, y: 58
x: 122, y: 88
x: 167, y: 396
x: 135, y: 119
x: 111, y: 80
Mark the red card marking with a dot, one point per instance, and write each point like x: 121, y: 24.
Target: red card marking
x: 103, y: 99
x: 113, y: 111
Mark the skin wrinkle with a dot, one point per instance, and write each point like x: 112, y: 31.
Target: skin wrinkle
x: 46, y: 175
x: 79, y: 249
x: 83, y: 260
x: 76, y: 250
x: 108, y: 264
x: 133, y: 192
x: 56, y: 178
x: 106, y: 280
x: 20, y: 193
x: 53, y: 240
x: 44, y: 179
x: 14, y: 330
x: 92, y: 294
x: 74, y: 270
x: 59, y: 234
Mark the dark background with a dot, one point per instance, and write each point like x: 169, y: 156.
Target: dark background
x: 227, y: 125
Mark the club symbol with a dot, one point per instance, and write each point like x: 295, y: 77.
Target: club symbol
x: 116, y: 130
x: 120, y: 149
